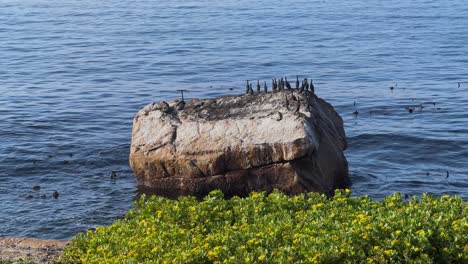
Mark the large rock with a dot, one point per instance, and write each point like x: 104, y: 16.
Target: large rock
x: 286, y: 140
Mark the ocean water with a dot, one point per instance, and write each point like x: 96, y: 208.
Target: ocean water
x: 73, y: 74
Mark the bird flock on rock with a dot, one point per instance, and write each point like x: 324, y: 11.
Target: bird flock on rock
x: 280, y: 85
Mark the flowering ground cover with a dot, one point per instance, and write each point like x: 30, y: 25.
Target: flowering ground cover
x: 277, y: 228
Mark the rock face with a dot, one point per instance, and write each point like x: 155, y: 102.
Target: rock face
x: 286, y: 140
x: 30, y: 250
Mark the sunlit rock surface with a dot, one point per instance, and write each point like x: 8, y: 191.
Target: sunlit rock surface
x: 286, y: 140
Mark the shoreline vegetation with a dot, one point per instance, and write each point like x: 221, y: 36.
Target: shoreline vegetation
x: 276, y: 228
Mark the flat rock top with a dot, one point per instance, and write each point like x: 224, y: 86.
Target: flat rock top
x: 13, y: 249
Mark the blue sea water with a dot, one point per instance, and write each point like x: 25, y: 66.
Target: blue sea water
x: 73, y: 74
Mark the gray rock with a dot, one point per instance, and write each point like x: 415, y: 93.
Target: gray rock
x: 240, y: 144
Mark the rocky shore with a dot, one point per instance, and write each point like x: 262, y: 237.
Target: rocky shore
x: 30, y: 250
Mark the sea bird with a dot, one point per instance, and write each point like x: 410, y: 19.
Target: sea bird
x: 247, y: 88
x: 297, y: 82
x: 250, y: 89
x: 305, y: 83
x: 258, y: 86
x: 298, y: 106
x: 312, y: 88
x: 180, y: 105
x: 287, y: 83
x: 355, y: 113
x: 265, y: 87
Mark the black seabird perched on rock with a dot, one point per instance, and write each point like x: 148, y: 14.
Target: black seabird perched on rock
x: 312, y: 88
x: 298, y: 106
x: 164, y: 106
x: 258, y: 86
x: 288, y: 86
x: 293, y: 97
x: 265, y: 87
x: 247, y: 88
x: 306, y: 84
x: 297, y: 82
x: 281, y: 84
x: 180, y: 105
x: 287, y: 102
x: 250, y: 89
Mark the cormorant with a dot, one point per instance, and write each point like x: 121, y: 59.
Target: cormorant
x: 298, y: 106
x: 250, y: 89
x: 273, y: 84
x: 297, y: 82
x: 164, y: 106
x: 55, y: 194
x: 247, y: 87
x: 258, y: 86
x: 355, y: 109
x: 306, y: 84
x: 265, y: 87
x: 287, y: 83
x: 180, y: 105
x: 312, y: 88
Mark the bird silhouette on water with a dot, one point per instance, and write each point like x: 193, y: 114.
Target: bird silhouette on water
x: 355, y: 113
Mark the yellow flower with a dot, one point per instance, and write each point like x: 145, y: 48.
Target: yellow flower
x: 398, y: 232
x: 262, y: 257
x: 212, y: 254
